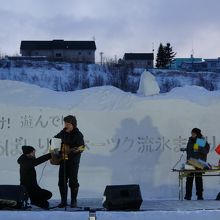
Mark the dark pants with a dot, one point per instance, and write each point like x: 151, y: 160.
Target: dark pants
x: 39, y: 197
x: 189, y: 185
x: 68, y: 173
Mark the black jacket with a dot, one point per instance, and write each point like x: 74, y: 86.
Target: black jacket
x: 200, y: 154
x: 74, y: 139
x: 27, y: 170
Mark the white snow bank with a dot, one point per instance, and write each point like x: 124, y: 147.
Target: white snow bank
x: 104, y: 98
x: 96, y: 98
x: 148, y: 84
x: 194, y: 94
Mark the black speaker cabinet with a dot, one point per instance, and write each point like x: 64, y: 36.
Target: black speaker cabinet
x: 122, y: 197
x: 13, y: 196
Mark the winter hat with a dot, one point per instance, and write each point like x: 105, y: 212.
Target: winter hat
x: 27, y: 149
x: 196, y: 131
x: 71, y: 119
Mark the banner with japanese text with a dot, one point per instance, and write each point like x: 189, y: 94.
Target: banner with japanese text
x: 136, y: 146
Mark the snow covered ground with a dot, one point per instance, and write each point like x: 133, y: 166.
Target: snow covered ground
x: 62, y: 76
x: 154, y: 210
x: 149, y: 215
x: 130, y: 139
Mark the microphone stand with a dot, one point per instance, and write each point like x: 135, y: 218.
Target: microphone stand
x: 64, y: 175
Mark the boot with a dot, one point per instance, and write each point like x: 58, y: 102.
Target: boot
x: 42, y: 204
x: 63, y: 195
x: 74, y: 193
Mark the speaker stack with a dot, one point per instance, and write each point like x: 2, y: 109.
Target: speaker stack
x: 122, y: 197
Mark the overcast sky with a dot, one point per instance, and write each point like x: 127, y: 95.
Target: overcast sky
x: 118, y: 26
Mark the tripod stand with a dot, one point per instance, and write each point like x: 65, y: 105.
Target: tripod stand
x: 181, y: 156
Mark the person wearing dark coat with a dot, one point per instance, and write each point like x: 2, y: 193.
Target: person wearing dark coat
x: 193, y: 150
x: 69, y: 166
x: 28, y: 177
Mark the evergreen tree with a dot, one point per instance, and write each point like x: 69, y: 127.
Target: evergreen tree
x: 169, y: 54
x: 161, y: 57
x: 165, y: 56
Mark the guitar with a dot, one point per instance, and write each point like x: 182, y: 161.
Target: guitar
x: 57, y: 156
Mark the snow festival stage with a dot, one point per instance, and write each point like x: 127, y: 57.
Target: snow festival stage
x: 150, y: 209
x: 146, y: 131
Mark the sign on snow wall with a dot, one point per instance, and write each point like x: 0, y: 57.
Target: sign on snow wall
x: 134, y: 146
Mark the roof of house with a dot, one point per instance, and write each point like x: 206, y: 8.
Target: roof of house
x: 138, y: 56
x: 213, y: 60
x: 58, y: 44
x: 183, y: 59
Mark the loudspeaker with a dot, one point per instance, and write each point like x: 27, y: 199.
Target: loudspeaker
x: 122, y: 197
x: 13, y: 196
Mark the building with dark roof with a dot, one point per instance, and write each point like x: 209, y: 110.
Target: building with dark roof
x: 196, y: 64
x: 74, y: 51
x: 139, y: 60
x: 213, y: 65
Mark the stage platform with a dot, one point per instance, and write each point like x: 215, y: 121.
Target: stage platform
x: 91, y: 209
x: 155, y: 205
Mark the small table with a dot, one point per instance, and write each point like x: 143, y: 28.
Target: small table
x: 184, y: 173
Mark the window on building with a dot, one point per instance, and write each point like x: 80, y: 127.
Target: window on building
x: 213, y: 64
x: 58, y: 55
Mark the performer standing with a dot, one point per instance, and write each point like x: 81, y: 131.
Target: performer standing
x: 195, y: 151
x: 72, y: 147
x: 28, y: 179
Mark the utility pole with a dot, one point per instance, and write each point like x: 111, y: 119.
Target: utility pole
x: 153, y: 52
x: 115, y: 59
x: 192, y: 59
x: 153, y: 47
x: 101, y: 57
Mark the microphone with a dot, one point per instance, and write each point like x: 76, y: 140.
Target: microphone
x: 183, y: 149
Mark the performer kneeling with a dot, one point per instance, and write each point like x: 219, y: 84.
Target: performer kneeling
x: 28, y: 178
